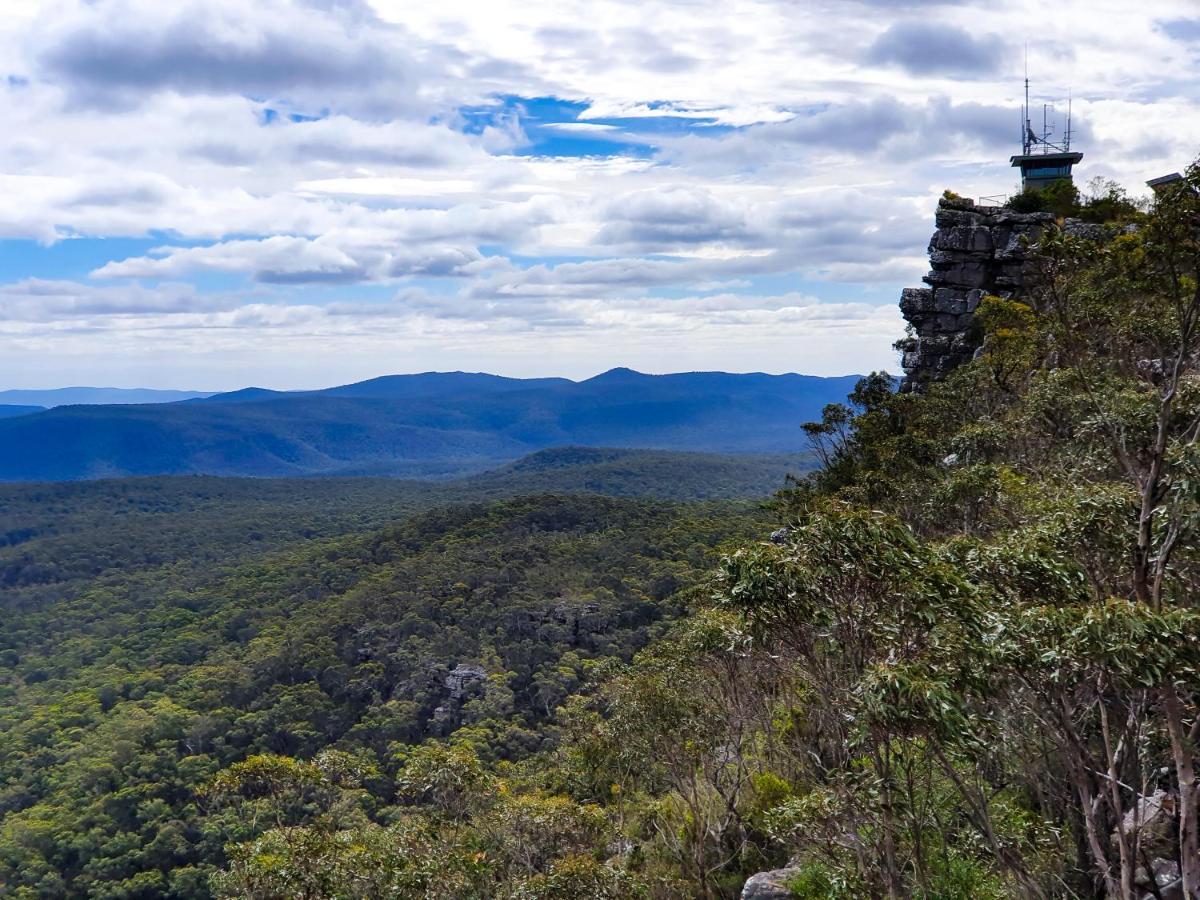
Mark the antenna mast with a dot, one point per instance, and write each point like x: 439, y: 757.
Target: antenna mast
x: 1046, y: 157
x: 1026, y: 125
x: 1067, y: 136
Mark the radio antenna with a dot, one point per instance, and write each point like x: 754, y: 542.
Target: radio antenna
x: 1026, y: 125
x: 1046, y: 157
x: 1067, y: 136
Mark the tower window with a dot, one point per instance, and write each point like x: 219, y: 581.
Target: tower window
x: 1048, y: 172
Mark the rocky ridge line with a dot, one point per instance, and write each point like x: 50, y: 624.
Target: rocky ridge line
x: 976, y: 250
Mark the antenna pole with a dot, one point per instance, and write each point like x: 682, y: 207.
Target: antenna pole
x: 1028, y: 129
x: 1067, y: 140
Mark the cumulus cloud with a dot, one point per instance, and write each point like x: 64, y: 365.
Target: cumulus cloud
x: 861, y: 138
x: 113, y: 51
x: 336, y: 140
x: 295, y: 260
x: 626, y: 170
x: 41, y: 300
x: 671, y: 217
x: 621, y: 277
x: 935, y: 48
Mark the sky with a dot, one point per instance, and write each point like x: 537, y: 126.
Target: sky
x: 299, y: 193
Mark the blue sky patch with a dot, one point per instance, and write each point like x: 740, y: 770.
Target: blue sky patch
x: 557, y: 127
x: 73, y: 258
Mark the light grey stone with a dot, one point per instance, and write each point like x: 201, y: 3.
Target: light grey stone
x: 771, y: 885
x: 1168, y: 882
x: 461, y: 677
x: 916, y: 300
x: 1087, y: 230
x: 974, y: 251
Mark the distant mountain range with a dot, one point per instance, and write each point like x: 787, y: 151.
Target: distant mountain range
x: 70, y: 396
x: 428, y: 425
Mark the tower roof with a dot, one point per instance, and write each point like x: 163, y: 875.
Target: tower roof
x: 1025, y: 160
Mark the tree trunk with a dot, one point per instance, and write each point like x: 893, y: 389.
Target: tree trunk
x: 1185, y: 775
x: 1126, y: 842
x: 891, y: 871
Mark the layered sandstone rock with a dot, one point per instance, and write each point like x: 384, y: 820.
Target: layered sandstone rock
x: 976, y: 250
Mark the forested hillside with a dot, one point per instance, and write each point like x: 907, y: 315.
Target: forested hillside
x: 9, y: 410
x: 155, y: 631
x: 966, y: 666
x: 56, y: 537
x: 121, y: 701
x: 970, y: 665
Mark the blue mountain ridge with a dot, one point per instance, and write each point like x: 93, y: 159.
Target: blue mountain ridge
x: 70, y: 396
x: 425, y: 425
x: 11, y: 409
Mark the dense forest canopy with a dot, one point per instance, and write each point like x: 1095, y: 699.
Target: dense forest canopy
x: 157, y: 631
x: 55, y: 537
x: 983, y: 616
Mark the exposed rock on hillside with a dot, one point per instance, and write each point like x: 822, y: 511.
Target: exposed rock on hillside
x: 976, y: 250
x: 461, y: 677
x: 771, y: 885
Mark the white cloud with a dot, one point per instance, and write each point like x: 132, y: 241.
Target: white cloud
x: 295, y: 260
x: 307, y: 151
x: 279, y: 344
x: 118, y: 52
x: 35, y: 300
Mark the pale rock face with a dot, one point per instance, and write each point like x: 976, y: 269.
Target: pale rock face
x: 976, y: 250
x: 461, y: 676
x: 1167, y: 883
x: 769, y: 885
x: 1151, y: 819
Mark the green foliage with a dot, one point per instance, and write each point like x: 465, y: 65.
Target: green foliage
x: 577, y: 877
x: 409, y: 860
x: 475, y: 838
x: 159, y: 720
x: 57, y: 538
x: 973, y: 650
x: 451, y: 780
x: 1060, y: 197
x: 817, y: 882
x: 1105, y: 202
x: 986, y: 598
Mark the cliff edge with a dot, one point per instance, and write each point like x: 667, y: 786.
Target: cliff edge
x: 976, y: 250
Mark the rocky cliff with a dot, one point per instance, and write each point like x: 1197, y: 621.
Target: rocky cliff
x: 976, y: 250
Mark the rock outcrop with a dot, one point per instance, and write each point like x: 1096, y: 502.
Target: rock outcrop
x: 1161, y: 882
x: 463, y: 676
x: 773, y: 885
x: 976, y: 250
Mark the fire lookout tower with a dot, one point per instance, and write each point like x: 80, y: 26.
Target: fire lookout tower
x: 1044, y: 159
